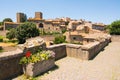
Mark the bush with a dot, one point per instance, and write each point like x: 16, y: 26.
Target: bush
x: 11, y: 34
x: 1, y: 49
x: 114, y: 27
x: 1, y: 39
x: 64, y: 30
x: 59, y: 39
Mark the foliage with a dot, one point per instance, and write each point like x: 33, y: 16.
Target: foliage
x: 1, y: 38
x: 11, y: 34
x: 24, y: 19
x: 80, y: 43
x: 59, y: 39
x: 7, y: 20
x: 1, y: 49
x: 1, y: 23
x: 66, y: 23
x: 64, y: 30
x: 35, y: 57
x: 114, y: 27
x: 26, y: 30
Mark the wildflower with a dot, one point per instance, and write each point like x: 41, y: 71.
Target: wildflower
x: 28, y: 53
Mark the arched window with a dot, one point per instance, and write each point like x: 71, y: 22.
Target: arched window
x: 40, y: 25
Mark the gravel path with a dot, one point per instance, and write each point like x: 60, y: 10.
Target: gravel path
x: 106, y: 66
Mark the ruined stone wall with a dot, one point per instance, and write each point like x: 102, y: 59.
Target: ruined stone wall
x: 9, y: 64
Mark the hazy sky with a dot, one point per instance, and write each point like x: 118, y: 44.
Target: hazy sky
x: 104, y: 11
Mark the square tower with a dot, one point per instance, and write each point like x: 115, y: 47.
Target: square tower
x: 21, y: 17
x: 38, y: 15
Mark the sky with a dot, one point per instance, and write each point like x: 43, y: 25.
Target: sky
x: 104, y: 11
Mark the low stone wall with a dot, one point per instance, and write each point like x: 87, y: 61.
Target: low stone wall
x: 74, y: 50
x: 9, y: 64
x: 86, y: 52
x: 92, y: 49
x: 60, y: 50
x: 9, y: 61
x: 34, y: 69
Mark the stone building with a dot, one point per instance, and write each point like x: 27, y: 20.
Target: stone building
x: 99, y: 26
x: 21, y: 17
x: 38, y: 15
x: 83, y: 33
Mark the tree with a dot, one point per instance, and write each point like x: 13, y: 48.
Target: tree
x: 11, y: 34
x: 24, y: 19
x: 114, y: 27
x: 1, y: 23
x: 7, y: 20
x: 26, y: 30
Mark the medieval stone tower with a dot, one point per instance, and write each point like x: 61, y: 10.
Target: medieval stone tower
x: 38, y: 15
x: 21, y: 17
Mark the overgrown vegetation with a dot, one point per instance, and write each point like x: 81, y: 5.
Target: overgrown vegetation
x: 64, y: 30
x: 11, y: 34
x: 1, y: 49
x: 23, y: 31
x: 114, y: 27
x: 59, y: 39
x: 1, y: 38
x: 1, y: 23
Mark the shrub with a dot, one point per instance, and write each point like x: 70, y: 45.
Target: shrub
x: 1, y: 49
x: 59, y: 39
x: 1, y: 38
x: 114, y: 27
x: 11, y: 34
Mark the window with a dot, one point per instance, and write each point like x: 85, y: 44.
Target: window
x: 74, y: 38
x: 40, y: 25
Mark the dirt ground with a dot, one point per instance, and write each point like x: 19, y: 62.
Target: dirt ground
x: 8, y: 46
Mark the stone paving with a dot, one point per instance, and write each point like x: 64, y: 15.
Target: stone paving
x: 105, y: 66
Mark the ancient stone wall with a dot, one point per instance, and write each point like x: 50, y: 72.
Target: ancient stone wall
x: 60, y: 50
x: 9, y: 64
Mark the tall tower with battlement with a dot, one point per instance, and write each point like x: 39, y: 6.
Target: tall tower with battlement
x: 38, y: 15
x: 21, y: 17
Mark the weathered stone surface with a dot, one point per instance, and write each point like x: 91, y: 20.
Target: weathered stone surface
x: 60, y: 50
x: 33, y: 44
x: 34, y: 69
x: 9, y: 64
